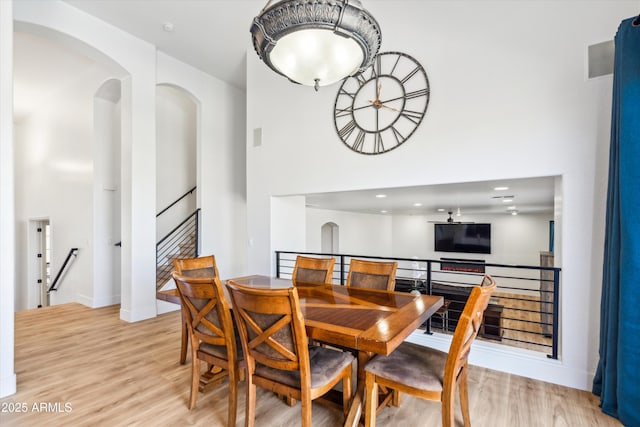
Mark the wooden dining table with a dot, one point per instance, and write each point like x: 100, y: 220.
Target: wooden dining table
x: 367, y: 321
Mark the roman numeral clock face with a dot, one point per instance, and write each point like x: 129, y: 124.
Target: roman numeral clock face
x: 379, y: 109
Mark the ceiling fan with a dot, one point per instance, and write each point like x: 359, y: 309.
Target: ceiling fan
x: 450, y: 220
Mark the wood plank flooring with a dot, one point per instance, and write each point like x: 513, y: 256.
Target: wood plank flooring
x: 86, y: 367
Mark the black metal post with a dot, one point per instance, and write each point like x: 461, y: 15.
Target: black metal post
x: 197, y: 232
x: 278, y: 264
x: 556, y: 312
x: 342, y: 270
x: 428, y: 330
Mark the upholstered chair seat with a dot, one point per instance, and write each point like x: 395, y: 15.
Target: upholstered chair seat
x: 323, y: 364
x: 400, y: 366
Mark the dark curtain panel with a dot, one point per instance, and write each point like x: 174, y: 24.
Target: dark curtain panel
x: 617, y: 379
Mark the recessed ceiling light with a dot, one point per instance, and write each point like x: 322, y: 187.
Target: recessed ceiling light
x: 511, y: 208
x: 417, y: 204
x: 501, y: 188
x: 168, y: 27
x: 381, y: 196
x: 514, y: 213
x: 383, y: 211
x: 507, y: 200
x: 440, y: 210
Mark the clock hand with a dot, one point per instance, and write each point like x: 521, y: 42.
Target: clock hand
x: 392, y: 99
x: 377, y: 104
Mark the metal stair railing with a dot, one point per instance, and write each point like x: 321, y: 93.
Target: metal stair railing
x: 181, y: 242
x: 57, y: 280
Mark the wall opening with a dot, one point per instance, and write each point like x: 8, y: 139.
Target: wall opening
x: 330, y: 238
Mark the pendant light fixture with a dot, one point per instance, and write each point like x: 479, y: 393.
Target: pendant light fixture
x: 316, y: 42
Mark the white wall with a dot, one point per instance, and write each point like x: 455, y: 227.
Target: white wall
x: 220, y: 162
x: 54, y: 180
x: 176, y: 148
x: 221, y: 142
x: 135, y: 61
x: 7, y: 254
x: 105, y: 287
x: 288, y: 223
x: 359, y: 234
x: 514, y: 239
x: 508, y: 100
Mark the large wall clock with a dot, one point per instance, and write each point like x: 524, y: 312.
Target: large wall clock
x: 380, y: 108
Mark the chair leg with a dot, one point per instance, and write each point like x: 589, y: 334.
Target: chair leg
x: 448, y: 406
x: 396, y: 398
x: 346, y: 392
x: 464, y: 398
x: 371, y: 400
x: 250, y: 412
x: 195, y: 380
x: 185, y: 341
x: 306, y: 411
x: 233, y: 397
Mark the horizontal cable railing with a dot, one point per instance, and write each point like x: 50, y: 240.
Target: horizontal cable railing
x: 181, y: 242
x: 523, y: 311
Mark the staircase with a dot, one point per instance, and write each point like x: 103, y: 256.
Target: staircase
x: 181, y: 242
x: 164, y: 267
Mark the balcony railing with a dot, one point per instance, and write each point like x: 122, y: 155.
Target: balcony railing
x: 523, y: 311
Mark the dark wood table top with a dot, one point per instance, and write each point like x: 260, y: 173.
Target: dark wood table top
x: 362, y: 319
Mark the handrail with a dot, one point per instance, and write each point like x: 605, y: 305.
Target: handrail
x: 72, y: 252
x: 119, y: 244
x: 176, y: 201
x: 177, y: 227
x: 181, y: 242
x: 531, y: 317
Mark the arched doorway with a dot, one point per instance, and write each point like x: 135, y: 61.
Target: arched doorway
x: 330, y: 238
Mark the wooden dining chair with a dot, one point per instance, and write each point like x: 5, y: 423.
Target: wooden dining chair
x: 193, y: 267
x: 212, y: 337
x: 427, y: 373
x: 277, y: 354
x: 372, y: 274
x: 317, y: 270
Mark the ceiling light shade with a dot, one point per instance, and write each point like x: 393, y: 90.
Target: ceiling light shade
x: 316, y: 42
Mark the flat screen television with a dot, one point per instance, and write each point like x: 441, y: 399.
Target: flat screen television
x: 464, y: 238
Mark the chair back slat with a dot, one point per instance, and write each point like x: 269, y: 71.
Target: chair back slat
x: 271, y: 327
x: 196, y: 267
x: 206, y: 309
x: 315, y: 270
x: 467, y: 329
x: 372, y: 274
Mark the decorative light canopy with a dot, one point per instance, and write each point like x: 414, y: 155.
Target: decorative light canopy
x: 316, y: 42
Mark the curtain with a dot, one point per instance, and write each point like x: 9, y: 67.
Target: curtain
x: 617, y: 379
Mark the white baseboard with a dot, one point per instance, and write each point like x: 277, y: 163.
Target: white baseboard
x: 144, y: 313
x: 98, y: 302
x: 8, y: 385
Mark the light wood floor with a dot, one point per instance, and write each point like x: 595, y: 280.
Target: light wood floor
x: 112, y: 373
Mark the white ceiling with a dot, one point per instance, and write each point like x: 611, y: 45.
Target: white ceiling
x: 31, y: 86
x: 212, y: 35
x: 217, y: 43
x: 529, y: 195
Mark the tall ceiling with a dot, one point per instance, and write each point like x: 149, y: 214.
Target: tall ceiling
x: 528, y: 195
x: 213, y: 35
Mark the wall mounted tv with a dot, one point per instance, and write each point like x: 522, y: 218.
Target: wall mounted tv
x: 464, y: 238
